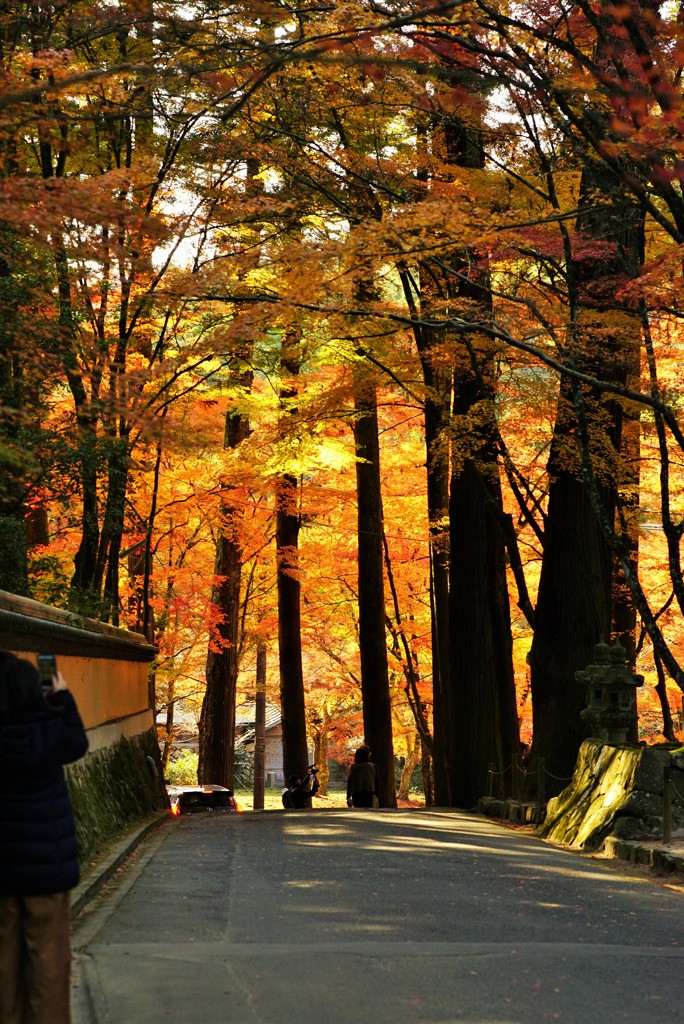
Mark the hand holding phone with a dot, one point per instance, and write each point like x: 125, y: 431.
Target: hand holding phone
x: 47, y: 668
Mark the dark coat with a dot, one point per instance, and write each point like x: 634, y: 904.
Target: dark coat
x: 300, y: 794
x: 38, y: 851
x: 363, y: 778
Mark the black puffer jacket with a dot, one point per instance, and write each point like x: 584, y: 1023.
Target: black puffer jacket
x: 38, y: 851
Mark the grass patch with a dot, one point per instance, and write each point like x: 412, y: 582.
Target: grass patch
x: 273, y: 800
x: 335, y: 798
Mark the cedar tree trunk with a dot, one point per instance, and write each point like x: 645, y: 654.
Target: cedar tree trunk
x: 293, y: 710
x: 217, y: 718
x: 292, y: 702
x: 576, y: 600
x: 484, y: 723
x: 375, y: 692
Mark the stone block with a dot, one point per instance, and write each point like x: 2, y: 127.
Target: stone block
x: 532, y: 814
x: 490, y: 806
x: 620, y: 849
x: 649, y: 774
x: 664, y: 861
x: 627, y: 828
x: 640, y: 804
x: 512, y: 810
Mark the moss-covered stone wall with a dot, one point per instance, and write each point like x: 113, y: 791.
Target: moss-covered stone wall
x: 615, y: 791
x: 114, y: 787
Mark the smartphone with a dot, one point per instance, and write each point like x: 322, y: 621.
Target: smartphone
x: 47, y: 667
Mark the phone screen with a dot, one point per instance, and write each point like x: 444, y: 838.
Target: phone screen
x: 47, y: 667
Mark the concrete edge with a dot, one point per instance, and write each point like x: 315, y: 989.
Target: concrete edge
x: 658, y: 858
x: 116, y: 854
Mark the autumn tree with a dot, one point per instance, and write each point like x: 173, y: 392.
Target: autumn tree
x: 525, y: 238
x: 217, y: 722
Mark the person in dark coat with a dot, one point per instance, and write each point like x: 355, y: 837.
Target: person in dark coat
x: 363, y: 783
x: 38, y: 850
x: 298, y: 792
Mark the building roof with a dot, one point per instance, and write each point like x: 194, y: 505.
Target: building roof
x: 245, y: 719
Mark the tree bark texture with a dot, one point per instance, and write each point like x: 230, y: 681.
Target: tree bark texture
x: 292, y: 704
x: 106, y: 579
x: 260, y: 730
x: 217, y: 718
x: 573, y: 614
x: 13, y: 540
x: 484, y: 723
x: 375, y: 691
x: 582, y: 595
x: 475, y: 714
x: 292, y: 701
x: 438, y: 388
x: 82, y: 596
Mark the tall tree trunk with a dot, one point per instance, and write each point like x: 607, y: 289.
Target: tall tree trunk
x: 411, y: 762
x: 375, y: 691
x: 259, y: 729
x: 168, y: 722
x: 292, y: 703
x: 106, y: 580
x: 624, y: 614
x: 572, y: 615
x: 320, y: 756
x: 293, y: 710
x: 624, y: 619
x: 81, y: 596
x: 426, y: 771
x: 13, y: 541
x: 217, y: 718
x: 483, y: 720
x: 484, y: 723
x: 438, y: 380
x: 575, y: 603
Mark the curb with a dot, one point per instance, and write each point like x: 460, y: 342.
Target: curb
x: 658, y: 858
x: 117, y: 852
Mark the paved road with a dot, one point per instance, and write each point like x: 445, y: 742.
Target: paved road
x: 374, y: 917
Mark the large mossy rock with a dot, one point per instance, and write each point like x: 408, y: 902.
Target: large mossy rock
x: 615, y: 790
x: 113, y: 788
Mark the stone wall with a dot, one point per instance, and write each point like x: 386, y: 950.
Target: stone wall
x: 112, y: 788
x: 616, y: 791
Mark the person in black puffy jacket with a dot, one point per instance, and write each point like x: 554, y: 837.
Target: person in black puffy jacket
x: 38, y: 851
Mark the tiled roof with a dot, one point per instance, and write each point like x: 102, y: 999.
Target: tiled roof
x: 245, y: 716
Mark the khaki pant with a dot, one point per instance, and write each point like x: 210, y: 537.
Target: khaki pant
x: 35, y: 959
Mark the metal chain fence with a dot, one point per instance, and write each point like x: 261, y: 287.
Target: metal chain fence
x: 520, y: 775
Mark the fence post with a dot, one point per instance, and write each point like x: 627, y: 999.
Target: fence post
x: 667, y: 804
x: 490, y: 787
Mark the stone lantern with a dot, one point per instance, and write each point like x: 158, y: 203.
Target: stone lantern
x: 611, y: 694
